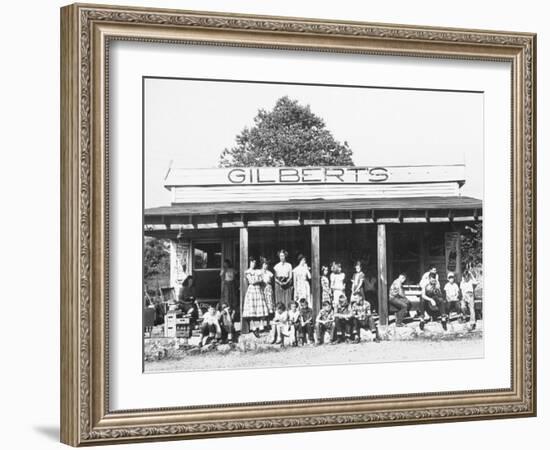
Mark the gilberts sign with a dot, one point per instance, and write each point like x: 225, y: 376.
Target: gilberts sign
x: 290, y: 175
x: 313, y: 176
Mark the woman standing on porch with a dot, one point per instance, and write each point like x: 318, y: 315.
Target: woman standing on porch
x: 301, y: 276
x: 283, y: 280
x: 255, y: 308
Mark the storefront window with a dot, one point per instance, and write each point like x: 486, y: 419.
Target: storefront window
x: 207, y: 255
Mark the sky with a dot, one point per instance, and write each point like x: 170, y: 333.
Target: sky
x: 189, y: 122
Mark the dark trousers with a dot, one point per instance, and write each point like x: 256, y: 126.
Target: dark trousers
x: 456, y: 306
x: 366, y: 323
x: 440, y: 309
x: 321, y: 329
x: 372, y: 298
x: 305, y: 330
x: 227, y: 330
x: 208, y: 329
x: 342, y: 327
x: 403, y: 306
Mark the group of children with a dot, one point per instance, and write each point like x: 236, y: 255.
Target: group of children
x: 297, y: 326
x: 340, y: 318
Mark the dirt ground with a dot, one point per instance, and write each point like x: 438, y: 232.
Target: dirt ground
x: 468, y: 346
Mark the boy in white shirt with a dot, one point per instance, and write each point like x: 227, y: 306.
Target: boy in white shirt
x: 452, y: 293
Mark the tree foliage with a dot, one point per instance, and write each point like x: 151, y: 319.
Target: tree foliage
x: 156, y: 262
x: 288, y: 135
x: 471, y: 247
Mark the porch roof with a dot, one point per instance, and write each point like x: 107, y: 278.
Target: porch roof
x: 408, y: 203
x: 312, y: 212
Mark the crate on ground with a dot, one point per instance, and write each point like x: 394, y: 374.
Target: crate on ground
x: 176, y: 324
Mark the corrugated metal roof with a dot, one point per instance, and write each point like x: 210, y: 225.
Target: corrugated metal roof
x: 409, y: 203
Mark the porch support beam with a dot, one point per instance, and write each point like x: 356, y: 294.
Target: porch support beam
x: 382, y: 275
x: 315, y: 271
x: 243, y: 258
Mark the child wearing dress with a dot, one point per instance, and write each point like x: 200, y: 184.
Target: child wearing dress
x: 301, y: 276
x: 280, y: 324
x: 255, y: 308
x: 337, y: 284
x: 267, y: 277
x: 358, y: 283
x: 326, y: 293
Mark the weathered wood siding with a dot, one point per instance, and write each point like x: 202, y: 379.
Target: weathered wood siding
x: 284, y: 192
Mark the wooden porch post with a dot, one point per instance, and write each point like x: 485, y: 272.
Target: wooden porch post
x: 382, y: 275
x: 243, y: 246
x: 315, y: 271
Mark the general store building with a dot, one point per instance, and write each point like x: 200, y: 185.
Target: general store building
x: 394, y: 218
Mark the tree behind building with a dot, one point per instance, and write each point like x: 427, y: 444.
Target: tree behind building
x: 288, y: 135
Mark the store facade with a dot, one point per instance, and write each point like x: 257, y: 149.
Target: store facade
x: 393, y: 218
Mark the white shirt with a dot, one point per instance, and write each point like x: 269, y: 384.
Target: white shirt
x: 467, y: 287
x: 452, y: 291
x: 283, y: 269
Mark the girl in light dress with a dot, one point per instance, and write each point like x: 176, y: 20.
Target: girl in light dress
x: 337, y: 283
x: 280, y: 328
x: 255, y: 308
x: 267, y: 277
x: 358, y: 283
x: 301, y: 277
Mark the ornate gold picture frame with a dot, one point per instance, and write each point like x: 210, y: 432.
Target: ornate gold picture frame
x: 86, y: 33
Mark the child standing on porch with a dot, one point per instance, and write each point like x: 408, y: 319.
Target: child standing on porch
x: 337, y: 284
x: 326, y: 293
x: 358, y: 283
x: 267, y: 276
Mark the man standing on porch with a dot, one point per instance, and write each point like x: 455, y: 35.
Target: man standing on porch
x: 283, y: 280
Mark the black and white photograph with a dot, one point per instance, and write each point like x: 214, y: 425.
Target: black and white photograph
x: 292, y: 224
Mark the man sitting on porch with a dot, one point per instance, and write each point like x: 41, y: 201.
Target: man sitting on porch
x: 398, y: 299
